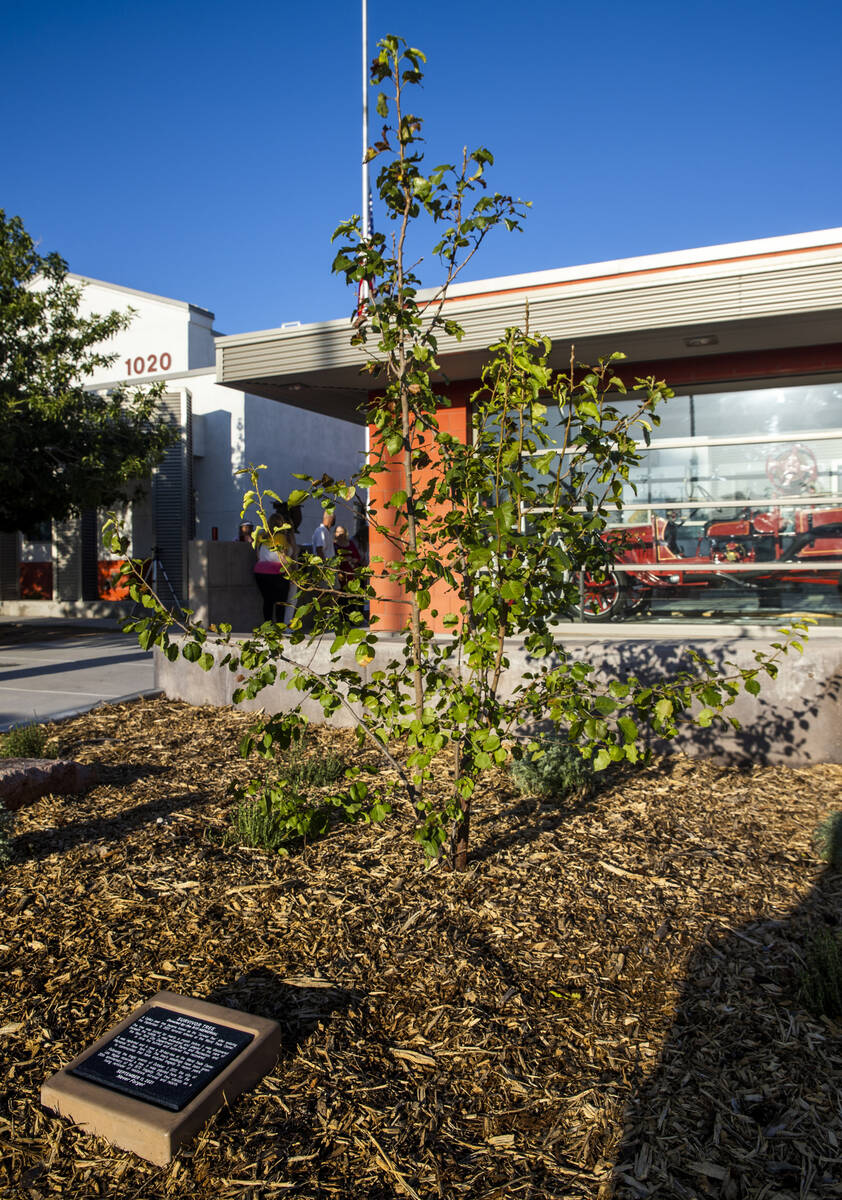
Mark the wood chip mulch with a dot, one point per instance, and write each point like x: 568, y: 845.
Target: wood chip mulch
x: 604, y: 1005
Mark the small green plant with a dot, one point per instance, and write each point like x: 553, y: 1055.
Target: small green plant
x: 556, y: 771
x: 314, y: 771
x: 6, y: 820
x: 828, y: 840
x: 24, y: 741
x: 279, y: 817
x: 297, y: 801
x: 820, y: 988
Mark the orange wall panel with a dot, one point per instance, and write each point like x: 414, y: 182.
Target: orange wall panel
x: 389, y: 605
x: 36, y: 581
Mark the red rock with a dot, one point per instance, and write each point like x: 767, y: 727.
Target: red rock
x: 23, y: 780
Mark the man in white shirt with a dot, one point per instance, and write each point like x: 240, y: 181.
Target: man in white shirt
x: 323, y: 537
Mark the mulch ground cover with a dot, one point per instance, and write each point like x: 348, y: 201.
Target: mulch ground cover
x: 605, y: 1004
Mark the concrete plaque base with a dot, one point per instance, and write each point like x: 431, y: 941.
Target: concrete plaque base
x: 144, y: 1126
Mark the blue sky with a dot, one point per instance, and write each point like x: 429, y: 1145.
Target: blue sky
x: 207, y: 151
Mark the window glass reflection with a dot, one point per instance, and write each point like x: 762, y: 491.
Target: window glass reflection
x: 748, y: 529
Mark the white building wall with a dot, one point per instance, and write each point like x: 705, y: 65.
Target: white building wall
x: 173, y: 341
x: 170, y: 337
x: 218, y: 490
x: 291, y: 440
x: 240, y: 430
x: 158, y: 341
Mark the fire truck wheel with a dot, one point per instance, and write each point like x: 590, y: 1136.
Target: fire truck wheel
x: 605, y: 598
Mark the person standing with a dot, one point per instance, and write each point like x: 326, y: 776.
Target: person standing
x: 323, y: 537
x: 273, y: 551
x: 349, y: 562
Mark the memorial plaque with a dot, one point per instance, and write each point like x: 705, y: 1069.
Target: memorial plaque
x: 164, y: 1057
x: 150, y: 1082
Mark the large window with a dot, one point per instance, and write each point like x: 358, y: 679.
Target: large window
x: 735, y: 513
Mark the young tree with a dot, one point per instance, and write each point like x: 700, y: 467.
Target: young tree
x: 62, y: 448
x: 507, y: 525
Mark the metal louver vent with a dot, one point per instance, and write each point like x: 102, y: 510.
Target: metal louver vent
x: 8, y: 566
x: 174, y: 503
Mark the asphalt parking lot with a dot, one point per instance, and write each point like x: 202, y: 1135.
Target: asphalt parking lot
x: 50, y: 671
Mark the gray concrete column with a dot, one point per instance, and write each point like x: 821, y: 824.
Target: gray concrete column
x: 9, y: 566
x: 67, y: 560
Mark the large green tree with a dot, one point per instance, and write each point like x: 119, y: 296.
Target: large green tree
x: 63, y: 448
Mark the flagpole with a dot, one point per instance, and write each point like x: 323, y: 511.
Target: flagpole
x: 366, y: 228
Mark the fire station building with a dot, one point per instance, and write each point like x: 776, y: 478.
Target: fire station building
x: 737, y: 503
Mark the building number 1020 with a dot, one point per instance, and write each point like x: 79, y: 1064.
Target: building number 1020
x: 149, y: 364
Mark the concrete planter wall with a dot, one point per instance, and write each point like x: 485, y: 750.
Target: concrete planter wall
x: 796, y: 719
x: 222, y: 587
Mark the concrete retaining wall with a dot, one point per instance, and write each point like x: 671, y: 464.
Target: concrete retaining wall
x: 222, y: 587
x: 796, y: 719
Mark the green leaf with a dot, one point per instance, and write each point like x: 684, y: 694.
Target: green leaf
x: 587, y: 408
x: 628, y: 728
x: 601, y: 760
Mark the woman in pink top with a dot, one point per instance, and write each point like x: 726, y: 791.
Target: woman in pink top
x: 273, y: 551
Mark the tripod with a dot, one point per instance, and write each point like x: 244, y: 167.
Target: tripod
x: 154, y: 571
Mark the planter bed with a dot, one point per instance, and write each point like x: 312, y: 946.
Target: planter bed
x: 604, y: 1004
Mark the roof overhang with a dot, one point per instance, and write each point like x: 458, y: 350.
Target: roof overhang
x: 751, y: 296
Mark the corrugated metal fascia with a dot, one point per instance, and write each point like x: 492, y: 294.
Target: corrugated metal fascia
x: 330, y: 349
x: 589, y: 308
x: 608, y: 288
x: 313, y: 329
x: 818, y: 244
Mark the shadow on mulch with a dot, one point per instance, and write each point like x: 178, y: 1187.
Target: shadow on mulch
x: 40, y: 844
x: 529, y: 820
x: 298, y: 1009
x: 741, y: 1101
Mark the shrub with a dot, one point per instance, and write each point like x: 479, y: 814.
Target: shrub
x: 314, y: 772
x: 291, y: 808
x: 820, y: 988
x: 463, y: 521
x: 828, y: 840
x: 557, y: 772
x: 24, y: 741
x: 278, y: 818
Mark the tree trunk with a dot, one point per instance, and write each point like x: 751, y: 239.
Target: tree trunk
x: 462, y: 826
x: 461, y: 834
